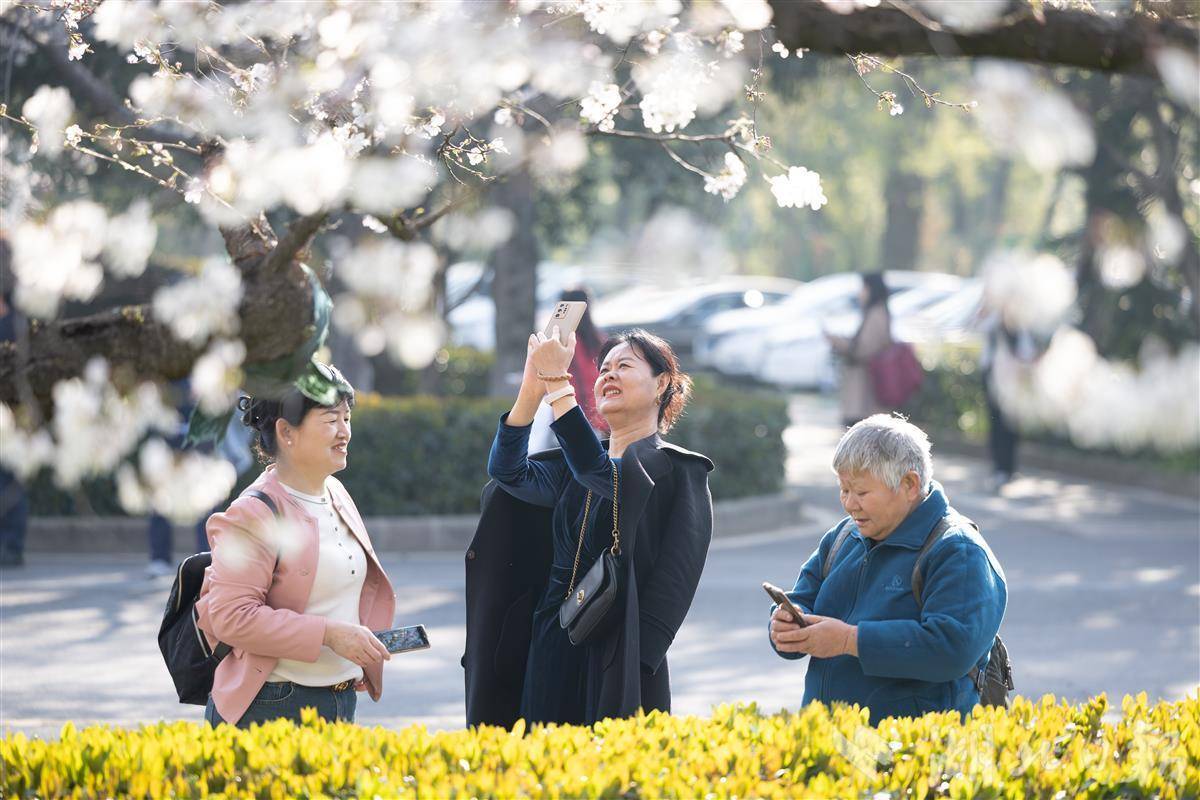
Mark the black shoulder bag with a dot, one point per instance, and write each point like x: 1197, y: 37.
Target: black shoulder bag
x: 587, y: 610
x: 189, y: 659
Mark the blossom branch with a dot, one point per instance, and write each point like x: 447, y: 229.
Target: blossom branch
x: 299, y: 234
x: 864, y: 63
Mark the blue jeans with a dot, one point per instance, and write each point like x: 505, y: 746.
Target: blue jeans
x: 284, y: 701
x: 160, y: 535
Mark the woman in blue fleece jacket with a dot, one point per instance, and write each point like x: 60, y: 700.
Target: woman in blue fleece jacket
x: 869, y: 640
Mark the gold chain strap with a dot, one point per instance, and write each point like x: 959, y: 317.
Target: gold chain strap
x: 616, y: 534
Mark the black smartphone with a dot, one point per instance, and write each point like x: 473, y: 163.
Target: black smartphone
x: 402, y: 640
x: 781, y: 599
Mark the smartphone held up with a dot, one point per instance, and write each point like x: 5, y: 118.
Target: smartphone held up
x: 566, y: 317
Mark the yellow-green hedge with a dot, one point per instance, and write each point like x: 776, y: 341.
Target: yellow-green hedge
x: 1038, y: 749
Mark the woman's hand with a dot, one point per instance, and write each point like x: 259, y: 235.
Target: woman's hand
x: 821, y: 637
x: 355, y: 643
x: 550, y: 356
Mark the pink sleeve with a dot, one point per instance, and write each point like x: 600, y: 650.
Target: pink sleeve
x: 233, y: 607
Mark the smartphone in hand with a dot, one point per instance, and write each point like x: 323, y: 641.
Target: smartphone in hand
x: 777, y: 594
x: 567, y: 315
x: 403, y: 640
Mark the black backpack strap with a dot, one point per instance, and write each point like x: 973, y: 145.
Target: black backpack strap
x: 266, y: 500
x: 222, y: 649
x: 843, y: 533
x: 918, y: 576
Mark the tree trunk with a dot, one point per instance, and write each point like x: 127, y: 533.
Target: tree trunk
x: 514, y: 284
x: 1069, y: 37
x: 905, y: 198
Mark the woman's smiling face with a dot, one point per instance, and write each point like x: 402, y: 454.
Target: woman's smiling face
x: 627, y: 385
x: 321, y: 442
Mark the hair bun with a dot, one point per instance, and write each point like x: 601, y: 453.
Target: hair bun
x: 251, y: 412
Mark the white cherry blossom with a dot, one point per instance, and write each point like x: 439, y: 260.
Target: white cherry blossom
x: 729, y: 181
x: 49, y: 110
x: 217, y: 374
x: 798, y: 188
x: 600, y: 106
x: 198, y: 307
x: 181, y: 486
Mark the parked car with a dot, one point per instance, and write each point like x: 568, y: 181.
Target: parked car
x: 953, y: 320
x: 472, y: 319
x: 678, y: 314
x: 799, y: 356
x: 734, y: 343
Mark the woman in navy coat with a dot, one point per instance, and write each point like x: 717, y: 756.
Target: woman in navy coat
x: 519, y: 662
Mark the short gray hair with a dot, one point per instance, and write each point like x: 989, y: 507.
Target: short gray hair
x: 888, y: 447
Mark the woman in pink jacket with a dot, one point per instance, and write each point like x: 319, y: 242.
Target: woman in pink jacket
x: 296, y: 596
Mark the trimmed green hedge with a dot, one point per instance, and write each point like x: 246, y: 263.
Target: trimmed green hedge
x: 420, y: 455
x: 428, y: 455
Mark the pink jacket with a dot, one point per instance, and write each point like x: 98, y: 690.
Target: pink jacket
x: 255, y: 592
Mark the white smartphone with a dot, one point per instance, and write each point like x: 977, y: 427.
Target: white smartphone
x: 567, y: 314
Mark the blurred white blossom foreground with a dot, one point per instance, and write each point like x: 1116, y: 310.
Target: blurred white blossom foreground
x: 401, y: 114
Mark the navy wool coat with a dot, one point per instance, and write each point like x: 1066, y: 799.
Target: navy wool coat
x: 666, y: 527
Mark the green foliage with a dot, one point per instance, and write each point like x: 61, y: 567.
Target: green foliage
x: 742, y: 432
x: 420, y: 455
x: 1037, y: 749
x: 428, y: 455
x: 952, y: 394
x: 456, y: 371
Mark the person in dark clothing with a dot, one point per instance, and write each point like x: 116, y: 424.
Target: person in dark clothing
x: 539, y: 533
x: 14, y: 500
x: 1016, y: 351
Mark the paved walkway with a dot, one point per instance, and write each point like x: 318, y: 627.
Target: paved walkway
x: 1104, y: 587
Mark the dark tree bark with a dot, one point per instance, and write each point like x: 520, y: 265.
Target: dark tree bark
x: 1065, y: 37
x: 275, y: 314
x: 904, y: 194
x: 514, y: 283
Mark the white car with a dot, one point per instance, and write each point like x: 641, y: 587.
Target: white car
x: 678, y: 314
x: 734, y: 343
x: 799, y: 356
x: 953, y: 320
x: 473, y: 319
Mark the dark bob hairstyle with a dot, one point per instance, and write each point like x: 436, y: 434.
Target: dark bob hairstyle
x: 877, y: 290
x: 261, y: 413
x: 662, y: 359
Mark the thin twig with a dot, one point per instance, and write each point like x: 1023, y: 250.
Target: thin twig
x: 664, y: 137
x: 685, y: 164
x: 930, y: 98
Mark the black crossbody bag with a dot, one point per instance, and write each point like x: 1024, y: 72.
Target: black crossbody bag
x: 588, y: 609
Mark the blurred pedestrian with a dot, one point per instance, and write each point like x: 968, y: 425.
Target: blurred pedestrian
x: 903, y: 598
x: 296, y: 592
x: 557, y: 528
x: 234, y: 448
x: 1021, y: 349
x: 14, y: 500
x: 857, y: 397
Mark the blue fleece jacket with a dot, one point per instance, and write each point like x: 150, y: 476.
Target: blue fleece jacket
x: 911, y: 660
